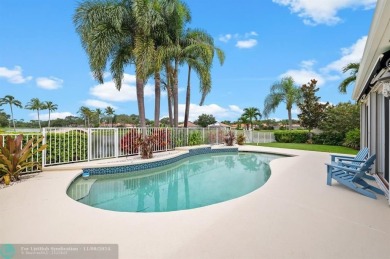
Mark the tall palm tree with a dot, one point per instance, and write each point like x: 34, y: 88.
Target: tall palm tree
x: 199, y: 55
x: 86, y: 114
x: 50, y: 106
x: 252, y: 113
x: 35, y: 105
x: 99, y: 113
x: 244, y: 120
x: 119, y: 32
x: 354, y: 68
x: 9, y: 99
x: 110, y: 113
x: 284, y: 91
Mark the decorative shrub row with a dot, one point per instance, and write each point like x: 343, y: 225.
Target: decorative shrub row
x: 66, y: 147
x: 329, y: 138
x: 129, y: 142
x: 291, y: 136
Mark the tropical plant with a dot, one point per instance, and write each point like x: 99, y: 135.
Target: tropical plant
x: 86, y: 113
x: 240, y: 139
x: 195, y: 138
x: 110, y: 113
x: 99, y: 113
x: 14, y: 158
x: 145, y: 144
x: 252, y: 113
x: 9, y: 99
x: 284, y: 91
x: 229, y: 138
x: 50, y: 106
x: 353, y: 68
x: 244, y: 120
x: 35, y: 104
x: 199, y: 55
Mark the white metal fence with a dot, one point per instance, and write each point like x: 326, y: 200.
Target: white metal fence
x: 70, y: 145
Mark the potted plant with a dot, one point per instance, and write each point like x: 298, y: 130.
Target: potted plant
x: 145, y: 145
x: 229, y: 138
x: 14, y: 158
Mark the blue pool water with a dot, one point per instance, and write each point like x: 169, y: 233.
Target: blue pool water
x: 193, y: 182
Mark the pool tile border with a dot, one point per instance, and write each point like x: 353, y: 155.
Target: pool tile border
x: 148, y: 165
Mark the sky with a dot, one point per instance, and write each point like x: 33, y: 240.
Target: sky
x: 41, y: 55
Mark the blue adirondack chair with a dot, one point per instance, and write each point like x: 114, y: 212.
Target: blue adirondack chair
x: 352, y: 177
x: 354, y: 162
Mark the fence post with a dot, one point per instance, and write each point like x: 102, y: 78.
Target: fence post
x: 166, y: 139
x: 89, y: 143
x: 44, y: 151
x: 116, y: 140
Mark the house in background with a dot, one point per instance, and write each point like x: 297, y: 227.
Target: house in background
x: 372, y: 91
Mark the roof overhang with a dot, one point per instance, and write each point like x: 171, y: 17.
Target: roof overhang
x: 378, y: 42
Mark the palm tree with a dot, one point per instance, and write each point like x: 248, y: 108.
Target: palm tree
x: 99, y: 113
x: 86, y: 114
x: 283, y: 91
x: 354, y: 68
x: 8, y: 99
x: 50, y: 106
x: 252, y: 113
x: 119, y: 32
x: 199, y: 54
x: 35, y: 104
x: 244, y: 120
x: 110, y: 112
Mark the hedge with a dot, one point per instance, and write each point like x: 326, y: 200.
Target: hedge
x: 329, y: 138
x: 291, y: 136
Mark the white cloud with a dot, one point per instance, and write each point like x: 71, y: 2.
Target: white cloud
x: 351, y: 54
x: 49, y: 83
x: 220, y: 113
x: 225, y: 38
x: 305, y: 73
x: 53, y: 115
x: 14, y: 76
x: 332, y: 71
x: 324, y: 11
x: 246, y: 44
x: 251, y: 34
x: 108, y: 91
x: 98, y: 104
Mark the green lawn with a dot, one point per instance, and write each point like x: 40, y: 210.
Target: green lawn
x: 310, y: 147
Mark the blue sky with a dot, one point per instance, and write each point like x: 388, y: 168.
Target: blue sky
x: 41, y: 55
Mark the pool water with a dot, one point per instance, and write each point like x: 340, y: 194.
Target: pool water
x: 193, y: 182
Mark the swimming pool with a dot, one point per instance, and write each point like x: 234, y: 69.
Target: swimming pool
x: 192, y: 182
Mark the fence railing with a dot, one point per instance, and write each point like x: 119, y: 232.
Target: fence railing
x: 71, y: 145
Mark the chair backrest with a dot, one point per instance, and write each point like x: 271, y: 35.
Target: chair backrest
x: 362, y: 154
x: 366, y: 166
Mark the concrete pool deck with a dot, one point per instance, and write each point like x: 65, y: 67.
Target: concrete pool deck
x: 294, y: 215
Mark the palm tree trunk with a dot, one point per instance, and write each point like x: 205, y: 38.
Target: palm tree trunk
x: 289, y: 119
x: 49, y: 118
x: 170, y: 107
x: 39, y: 120
x: 140, y: 101
x: 157, y: 96
x: 188, y: 96
x: 12, y: 115
x: 176, y: 95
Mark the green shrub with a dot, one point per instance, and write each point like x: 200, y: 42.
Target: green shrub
x: 329, y: 138
x: 291, y: 136
x: 195, y: 138
x: 352, y: 139
x: 66, y: 147
x: 240, y: 139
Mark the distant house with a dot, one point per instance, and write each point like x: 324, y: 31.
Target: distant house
x: 189, y: 125
x: 219, y: 125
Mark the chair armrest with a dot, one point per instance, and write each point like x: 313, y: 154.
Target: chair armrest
x: 352, y: 160
x: 344, y: 168
x: 333, y: 157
